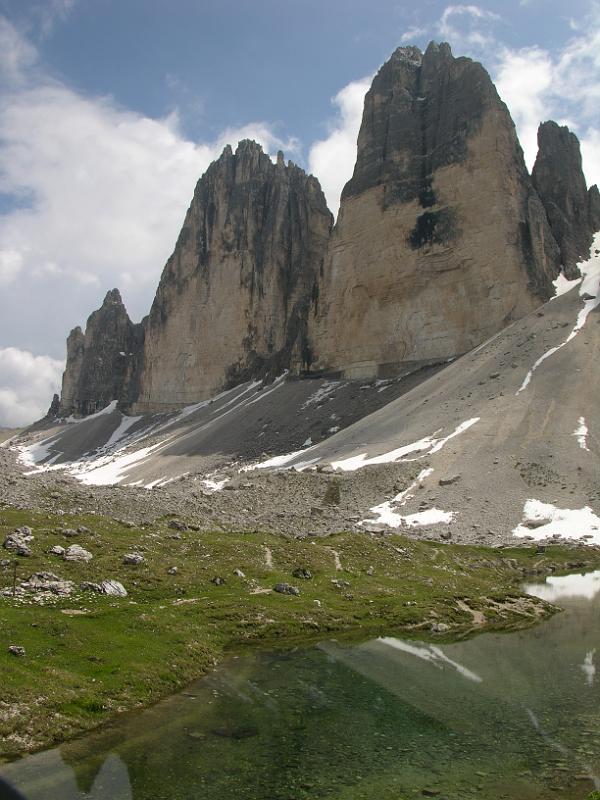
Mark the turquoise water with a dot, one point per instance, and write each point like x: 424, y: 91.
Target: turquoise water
x: 499, y: 716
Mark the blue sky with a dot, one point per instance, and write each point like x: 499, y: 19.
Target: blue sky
x: 110, y: 111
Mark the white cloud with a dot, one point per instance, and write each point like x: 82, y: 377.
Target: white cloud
x: 51, y: 12
x: 411, y: 35
x: 16, y: 54
x: 11, y: 262
x: 332, y: 159
x: 467, y: 27
x: 27, y: 383
x: 525, y: 98
x: 100, y: 194
x: 537, y: 86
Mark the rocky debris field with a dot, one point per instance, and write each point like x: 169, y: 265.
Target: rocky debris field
x: 289, y: 503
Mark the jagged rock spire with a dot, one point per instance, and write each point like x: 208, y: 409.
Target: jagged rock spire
x: 572, y: 209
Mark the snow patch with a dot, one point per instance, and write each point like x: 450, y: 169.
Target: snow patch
x: 589, y: 286
x: 323, y: 393
x: 212, y: 485
x: 121, y: 431
x: 543, y: 520
x: 581, y: 432
x: 276, y: 461
x: 386, y: 515
x: 563, y: 285
x: 427, y: 446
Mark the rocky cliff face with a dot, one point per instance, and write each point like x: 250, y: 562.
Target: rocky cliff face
x: 573, y: 211
x: 234, y: 297
x: 102, y: 363
x: 441, y: 239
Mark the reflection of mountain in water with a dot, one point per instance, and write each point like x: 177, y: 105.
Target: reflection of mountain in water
x: 47, y: 775
x: 514, y: 715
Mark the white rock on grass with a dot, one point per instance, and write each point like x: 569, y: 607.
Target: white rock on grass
x: 113, y: 588
x: 77, y: 553
x: 133, y: 558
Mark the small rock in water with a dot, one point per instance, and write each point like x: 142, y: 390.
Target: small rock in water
x: 16, y: 650
x: 286, y: 588
x: 133, y: 558
x: 77, y: 553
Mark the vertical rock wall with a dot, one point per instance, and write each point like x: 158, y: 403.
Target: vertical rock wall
x: 234, y: 297
x: 102, y: 363
x: 441, y: 239
x: 573, y: 211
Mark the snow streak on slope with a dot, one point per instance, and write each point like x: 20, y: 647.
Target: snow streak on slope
x: 427, y: 446
x: 581, y: 432
x: 589, y: 288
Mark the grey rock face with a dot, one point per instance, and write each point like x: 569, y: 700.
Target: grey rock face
x: 102, y: 364
x: 441, y: 240
x: 572, y: 209
x: 234, y: 297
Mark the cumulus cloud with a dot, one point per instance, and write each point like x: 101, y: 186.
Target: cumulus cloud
x: 27, y: 383
x: 467, y: 26
x: 98, y: 194
x: 564, y: 86
x: 526, y: 99
x: 413, y: 34
x: 16, y: 53
x: 332, y: 159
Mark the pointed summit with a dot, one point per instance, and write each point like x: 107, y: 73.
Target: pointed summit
x: 572, y: 209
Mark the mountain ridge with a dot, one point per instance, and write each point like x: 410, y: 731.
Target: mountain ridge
x: 423, y: 263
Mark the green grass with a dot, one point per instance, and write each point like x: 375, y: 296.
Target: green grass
x: 114, y: 654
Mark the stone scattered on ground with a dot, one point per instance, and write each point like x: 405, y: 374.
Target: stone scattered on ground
x: 113, y: 588
x: 286, y: 588
x: 303, y: 573
x: 16, y: 650
x: 133, y: 558
x: 77, y: 553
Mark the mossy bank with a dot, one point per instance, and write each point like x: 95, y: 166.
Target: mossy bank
x: 70, y: 662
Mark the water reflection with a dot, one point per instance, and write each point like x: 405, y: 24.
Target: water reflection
x: 46, y: 775
x: 499, y: 716
x: 564, y: 586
